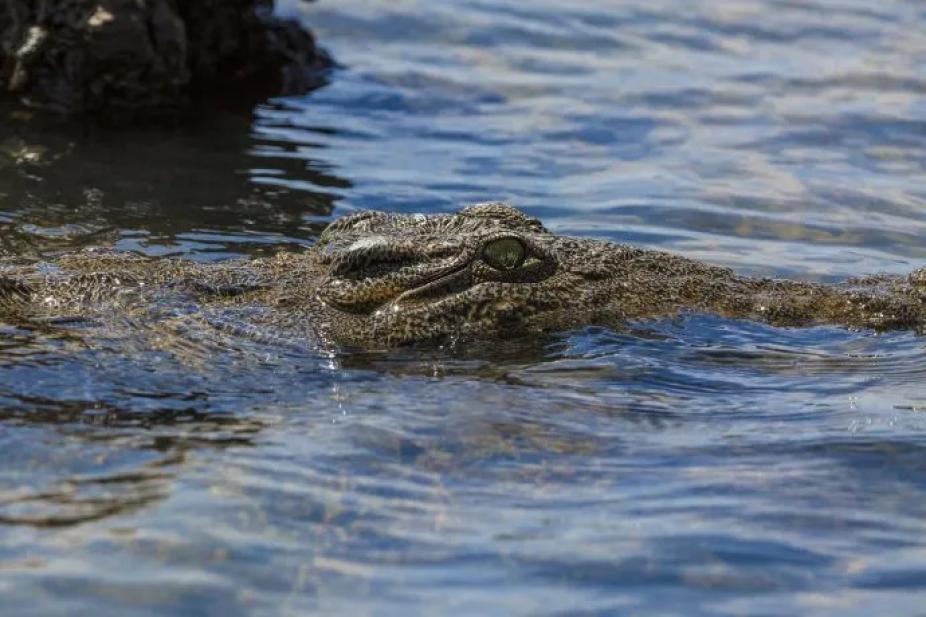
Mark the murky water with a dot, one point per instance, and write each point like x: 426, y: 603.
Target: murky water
x: 683, y: 466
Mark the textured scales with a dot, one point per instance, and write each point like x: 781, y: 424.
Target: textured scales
x: 379, y: 280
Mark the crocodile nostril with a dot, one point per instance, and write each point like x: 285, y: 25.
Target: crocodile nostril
x: 370, y: 272
x: 376, y: 256
x: 359, y: 221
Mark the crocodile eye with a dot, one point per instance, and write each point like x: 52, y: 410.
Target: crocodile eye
x: 504, y: 253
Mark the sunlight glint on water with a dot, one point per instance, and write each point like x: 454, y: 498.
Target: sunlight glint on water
x: 684, y: 466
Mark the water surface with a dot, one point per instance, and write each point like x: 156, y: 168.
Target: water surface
x: 691, y: 466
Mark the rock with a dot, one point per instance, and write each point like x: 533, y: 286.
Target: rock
x: 141, y: 59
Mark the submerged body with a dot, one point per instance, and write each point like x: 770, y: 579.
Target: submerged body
x: 380, y: 280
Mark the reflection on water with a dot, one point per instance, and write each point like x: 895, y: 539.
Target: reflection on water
x: 681, y: 466
x: 207, y: 191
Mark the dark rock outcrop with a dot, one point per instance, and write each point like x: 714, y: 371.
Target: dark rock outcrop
x: 138, y: 59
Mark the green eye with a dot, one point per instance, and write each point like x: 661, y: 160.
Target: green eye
x: 504, y: 254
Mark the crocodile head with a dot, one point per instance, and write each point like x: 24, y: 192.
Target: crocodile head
x: 488, y: 269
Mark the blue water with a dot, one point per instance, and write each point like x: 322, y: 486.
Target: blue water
x: 687, y: 466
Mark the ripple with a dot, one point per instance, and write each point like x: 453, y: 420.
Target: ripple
x: 687, y: 465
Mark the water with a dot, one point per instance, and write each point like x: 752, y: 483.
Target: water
x: 682, y: 466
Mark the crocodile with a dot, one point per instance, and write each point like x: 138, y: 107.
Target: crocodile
x: 379, y: 280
